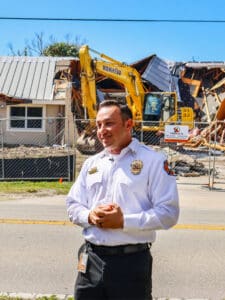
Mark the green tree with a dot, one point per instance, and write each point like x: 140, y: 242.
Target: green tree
x: 39, y: 47
x: 61, y: 49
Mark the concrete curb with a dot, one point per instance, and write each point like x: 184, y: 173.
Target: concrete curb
x: 32, y: 296
x: 35, y: 296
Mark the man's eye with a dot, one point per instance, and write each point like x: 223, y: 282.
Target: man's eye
x: 106, y: 124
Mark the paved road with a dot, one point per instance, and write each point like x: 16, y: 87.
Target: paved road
x: 41, y: 258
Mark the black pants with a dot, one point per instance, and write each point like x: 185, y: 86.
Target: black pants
x: 115, y: 277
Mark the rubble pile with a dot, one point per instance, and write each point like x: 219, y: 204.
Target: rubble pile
x: 213, y: 136
x: 203, y: 84
x: 190, y: 169
x: 27, y: 151
x: 194, y: 162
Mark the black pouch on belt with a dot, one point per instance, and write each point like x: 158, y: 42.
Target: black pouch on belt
x: 94, y: 264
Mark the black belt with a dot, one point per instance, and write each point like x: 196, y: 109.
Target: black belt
x: 118, y: 250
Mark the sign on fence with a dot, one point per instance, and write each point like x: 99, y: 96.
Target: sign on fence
x: 176, y: 133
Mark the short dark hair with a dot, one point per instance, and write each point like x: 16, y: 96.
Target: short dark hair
x: 126, y: 113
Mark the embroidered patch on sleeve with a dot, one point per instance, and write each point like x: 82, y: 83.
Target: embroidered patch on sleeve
x: 167, y: 168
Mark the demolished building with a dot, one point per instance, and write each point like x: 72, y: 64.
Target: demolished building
x: 36, y: 82
x: 200, y: 85
x: 204, y: 83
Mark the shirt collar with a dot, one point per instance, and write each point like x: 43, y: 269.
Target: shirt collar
x: 133, y: 146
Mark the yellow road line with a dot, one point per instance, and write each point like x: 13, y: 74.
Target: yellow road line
x: 68, y: 223
x: 39, y: 222
x: 199, y: 227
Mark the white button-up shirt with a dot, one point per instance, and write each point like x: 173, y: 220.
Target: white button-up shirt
x: 147, y: 195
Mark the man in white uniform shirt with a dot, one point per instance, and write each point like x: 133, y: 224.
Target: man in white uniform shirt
x: 120, y: 198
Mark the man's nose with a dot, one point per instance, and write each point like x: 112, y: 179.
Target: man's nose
x: 102, y: 129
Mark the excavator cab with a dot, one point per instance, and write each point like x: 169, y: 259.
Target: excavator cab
x: 152, y: 107
x: 159, y: 107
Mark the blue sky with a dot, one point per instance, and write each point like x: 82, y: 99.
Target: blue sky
x: 127, y: 42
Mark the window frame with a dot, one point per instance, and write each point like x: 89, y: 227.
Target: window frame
x: 26, y: 118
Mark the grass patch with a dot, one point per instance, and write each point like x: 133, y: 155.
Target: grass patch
x: 13, y: 187
x: 53, y: 297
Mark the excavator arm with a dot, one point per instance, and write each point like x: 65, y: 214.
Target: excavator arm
x: 88, y: 84
x: 111, y: 68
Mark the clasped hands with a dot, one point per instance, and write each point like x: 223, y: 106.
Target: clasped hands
x: 108, y: 216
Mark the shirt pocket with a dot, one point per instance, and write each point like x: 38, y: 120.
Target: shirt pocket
x: 94, y: 181
x: 133, y: 182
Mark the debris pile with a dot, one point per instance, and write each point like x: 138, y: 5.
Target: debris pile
x: 213, y: 136
x: 190, y: 169
x: 185, y: 162
x: 203, y: 85
x: 27, y: 151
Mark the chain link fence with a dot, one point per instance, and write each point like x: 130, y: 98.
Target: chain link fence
x: 35, y: 150
x: 38, y: 150
x: 199, y: 160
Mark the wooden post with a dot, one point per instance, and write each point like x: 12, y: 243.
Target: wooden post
x: 69, y: 124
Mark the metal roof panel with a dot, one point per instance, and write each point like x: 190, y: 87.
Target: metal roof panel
x: 205, y: 64
x: 27, y: 77
x: 49, y: 81
x: 16, y: 77
x: 158, y: 73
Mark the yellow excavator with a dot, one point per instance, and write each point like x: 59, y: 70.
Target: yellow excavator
x: 151, y: 110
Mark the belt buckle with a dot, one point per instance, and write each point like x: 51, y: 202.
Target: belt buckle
x: 128, y: 249
x: 137, y: 248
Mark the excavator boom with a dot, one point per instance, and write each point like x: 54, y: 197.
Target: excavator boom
x: 109, y: 67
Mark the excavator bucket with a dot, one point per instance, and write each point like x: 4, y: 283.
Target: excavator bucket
x: 88, y: 143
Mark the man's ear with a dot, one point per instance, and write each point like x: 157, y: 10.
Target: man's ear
x: 129, y: 124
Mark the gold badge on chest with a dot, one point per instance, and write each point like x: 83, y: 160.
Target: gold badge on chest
x: 136, y: 167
